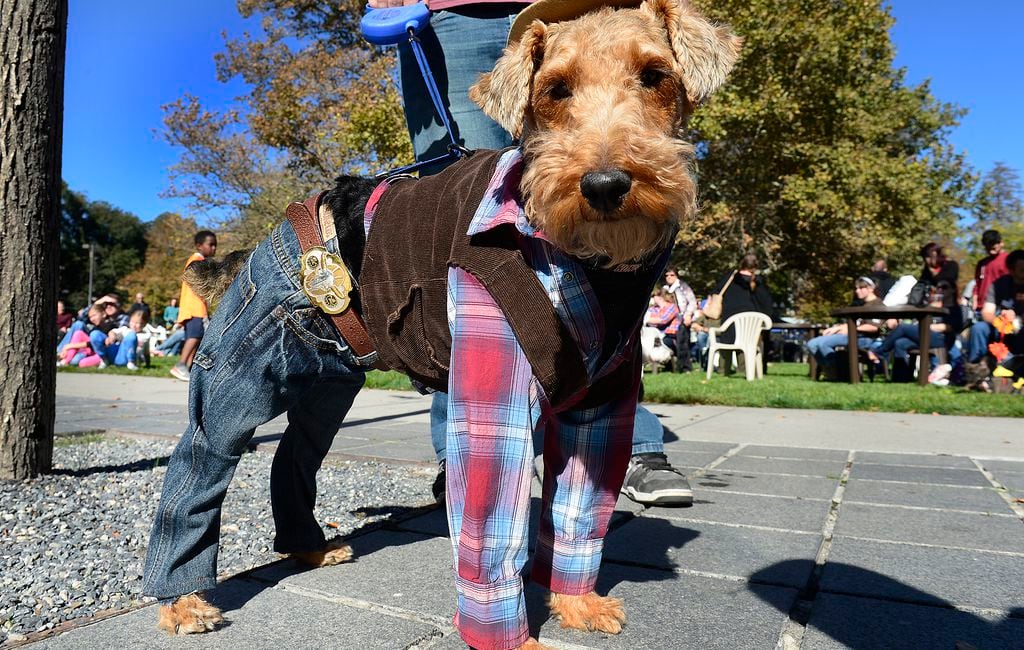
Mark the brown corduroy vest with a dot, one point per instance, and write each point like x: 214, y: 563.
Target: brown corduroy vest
x: 419, y: 231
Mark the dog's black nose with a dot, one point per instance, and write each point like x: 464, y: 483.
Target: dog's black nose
x: 606, y: 190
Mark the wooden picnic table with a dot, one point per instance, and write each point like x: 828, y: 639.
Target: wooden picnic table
x: 923, y: 315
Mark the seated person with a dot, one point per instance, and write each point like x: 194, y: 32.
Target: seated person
x: 1001, y: 314
x: 172, y: 344
x: 79, y: 350
x: 664, y: 315
x: 824, y: 347
x: 944, y: 329
x: 121, y: 347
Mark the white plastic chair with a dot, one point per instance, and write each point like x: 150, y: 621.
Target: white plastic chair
x: 748, y: 326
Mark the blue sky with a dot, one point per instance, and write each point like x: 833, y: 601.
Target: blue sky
x: 127, y: 58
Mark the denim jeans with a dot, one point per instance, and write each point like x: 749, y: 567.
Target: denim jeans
x: 648, y: 433
x: 460, y: 45
x: 267, y: 351
x: 906, y: 337
x: 824, y: 347
x: 174, y: 342
x: 120, y: 354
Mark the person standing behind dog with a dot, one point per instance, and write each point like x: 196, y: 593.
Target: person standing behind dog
x: 687, y: 303
x: 192, y: 309
x: 464, y: 40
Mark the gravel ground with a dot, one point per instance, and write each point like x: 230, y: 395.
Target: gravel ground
x: 72, y: 544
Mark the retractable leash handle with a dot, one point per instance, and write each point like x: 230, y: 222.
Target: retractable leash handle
x: 394, y: 25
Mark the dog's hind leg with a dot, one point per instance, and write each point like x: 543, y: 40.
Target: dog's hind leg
x: 588, y: 612
x: 189, y: 614
x: 335, y: 552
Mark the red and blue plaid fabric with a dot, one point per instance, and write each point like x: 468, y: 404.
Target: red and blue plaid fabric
x: 495, y: 405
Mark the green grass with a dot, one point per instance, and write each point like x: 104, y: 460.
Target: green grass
x: 85, y: 438
x: 785, y: 386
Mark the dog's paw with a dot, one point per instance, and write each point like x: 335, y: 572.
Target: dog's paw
x: 335, y: 552
x: 588, y: 612
x: 534, y: 644
x: 189, y: 614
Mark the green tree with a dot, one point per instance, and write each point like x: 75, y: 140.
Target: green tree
x: 817, y: 155
x: 321, y: 102
x: 119, y: 238
x: 999, y: 205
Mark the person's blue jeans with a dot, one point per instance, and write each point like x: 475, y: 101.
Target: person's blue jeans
x: 75, y: 327
x: 981, y: 334
x: 824, y: 347
x: 267, y: 351
x: 460, y: 45
x: 904, y: 338
x: 123, y: 353
x: 174, y: 342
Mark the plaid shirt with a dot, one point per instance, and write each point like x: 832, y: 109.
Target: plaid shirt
x: 495, y: 404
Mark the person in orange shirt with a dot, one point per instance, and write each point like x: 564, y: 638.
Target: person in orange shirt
x: 191, y: 308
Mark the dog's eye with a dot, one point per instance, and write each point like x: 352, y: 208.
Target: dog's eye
x: 559, y: 90
x: 651, y: 77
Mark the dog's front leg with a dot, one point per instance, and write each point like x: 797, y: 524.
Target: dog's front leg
x: 582, y: 477
x: 491, y: 419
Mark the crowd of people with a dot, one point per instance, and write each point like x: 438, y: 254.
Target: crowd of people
x: 103, y: 334
x: 976, y: 338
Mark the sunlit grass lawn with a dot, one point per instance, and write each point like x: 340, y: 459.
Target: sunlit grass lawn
x: 785, y: 386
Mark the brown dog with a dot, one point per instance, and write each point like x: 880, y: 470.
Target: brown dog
x: 600, y: 102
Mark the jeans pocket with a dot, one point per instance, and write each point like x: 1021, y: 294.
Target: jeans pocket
x: 313, y: 328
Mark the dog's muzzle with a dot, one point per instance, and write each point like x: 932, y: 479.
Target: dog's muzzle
x: 606, y: 190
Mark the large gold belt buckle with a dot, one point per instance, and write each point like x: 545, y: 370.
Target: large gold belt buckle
x: 325, y: 280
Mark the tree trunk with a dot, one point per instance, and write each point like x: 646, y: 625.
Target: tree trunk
x: 32, y: 42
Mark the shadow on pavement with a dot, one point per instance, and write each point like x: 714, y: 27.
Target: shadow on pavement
x: 906, y: 617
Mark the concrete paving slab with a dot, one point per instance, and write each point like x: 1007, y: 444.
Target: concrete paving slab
x: 394, y: 450
x: 694, y: 459
x: 787, y: 486
x: 795, y: 452
x: 824, y: 468
x: 943, y: 528
x: 774, y: 512
x: 935, y: 475
x: 925, y: 496
x: 691, y: 446
x: 926, y: 460
x: 1011, y: 480
x: 396, y: 569
x: 850, y: 622
x: 259, y: 617
x: 918, y: 574
x: 1003, y: 465
x: 668, y: 611
x: 713, y: 548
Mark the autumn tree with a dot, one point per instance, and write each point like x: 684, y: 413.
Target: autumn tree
x: 321, y: 102
x: 817, y: 154
x: 32, y: 75
x: 170, y: 242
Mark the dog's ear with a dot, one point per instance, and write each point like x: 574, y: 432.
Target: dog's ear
x: 705, y: 52
x: 504, y: 92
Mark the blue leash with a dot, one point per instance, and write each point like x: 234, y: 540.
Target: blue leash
x: 391, y: 26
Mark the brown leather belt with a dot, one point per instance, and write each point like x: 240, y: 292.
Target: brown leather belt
x: 305, y: 221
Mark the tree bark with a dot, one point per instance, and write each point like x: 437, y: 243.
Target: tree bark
x: 32, y: 40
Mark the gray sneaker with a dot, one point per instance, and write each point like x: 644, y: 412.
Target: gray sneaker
x: 180, y: 371
x: 651, y: 480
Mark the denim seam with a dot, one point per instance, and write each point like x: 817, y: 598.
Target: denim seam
x: 248, y: 295
x: 305, y: 335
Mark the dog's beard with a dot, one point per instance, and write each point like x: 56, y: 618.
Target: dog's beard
x: 663, y: 195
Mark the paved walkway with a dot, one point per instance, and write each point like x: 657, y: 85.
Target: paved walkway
x: 810, y: 529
